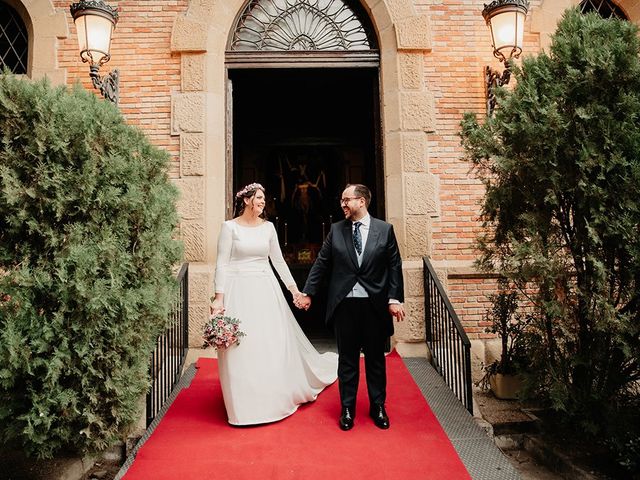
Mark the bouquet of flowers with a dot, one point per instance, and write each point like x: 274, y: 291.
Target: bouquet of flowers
x: 222, y: 332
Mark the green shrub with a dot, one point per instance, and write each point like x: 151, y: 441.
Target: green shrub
x: 560, y: 161
x: 87, y: 221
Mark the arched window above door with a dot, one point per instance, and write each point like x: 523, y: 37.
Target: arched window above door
x: 605, y: 8
x: 14, y: 40
x: 303, y: 25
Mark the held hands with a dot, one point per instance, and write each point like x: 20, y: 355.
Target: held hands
x: 301, y: 301
x: 397, y: 311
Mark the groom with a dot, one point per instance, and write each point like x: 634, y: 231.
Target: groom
x: 365, y: 291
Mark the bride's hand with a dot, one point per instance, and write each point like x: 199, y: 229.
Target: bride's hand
x: 295, y: 293
x: 217, y: 308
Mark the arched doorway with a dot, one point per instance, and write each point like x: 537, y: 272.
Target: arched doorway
x: 303, y: 118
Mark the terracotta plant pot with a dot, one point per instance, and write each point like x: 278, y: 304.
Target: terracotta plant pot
x: 505, y: 387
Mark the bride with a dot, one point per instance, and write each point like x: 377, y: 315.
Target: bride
x: 275, y: 368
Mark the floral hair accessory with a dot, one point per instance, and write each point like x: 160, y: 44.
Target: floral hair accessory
x: 249, y: 188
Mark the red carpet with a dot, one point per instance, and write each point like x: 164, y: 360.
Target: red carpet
x: 194, y: 441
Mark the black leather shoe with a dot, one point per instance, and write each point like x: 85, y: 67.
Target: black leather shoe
x: 379, y: 416
x: 346, y: 418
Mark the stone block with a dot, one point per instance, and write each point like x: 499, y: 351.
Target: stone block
x: 393, y: 165
x: 198, y: 316
x: 187, y: 113
x: 391, y: 108
x: 192, y: 154
x: 443, y: 276
x: 418, y: 239
x: 411, y: 67
x: 414, y: 151
x: 414, y: 33
x: 380, y: 15
x: 192, y: 72
x: 200, y: 287
x: 492, y: 350
x: 395, y: 196
x: 413, y: 283
x: 194, y: 239
x: 421, y: 190
x: 57, y: 24
x: 57, y: 77
x: 400, y: 9
x: 191, y: 202
x: 412, y: 349
x: 412, y: 329
x: 188, y: 35
x: 418, y: 111
x: 203, y: 8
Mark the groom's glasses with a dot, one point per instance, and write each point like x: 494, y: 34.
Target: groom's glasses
x: 345, y: 200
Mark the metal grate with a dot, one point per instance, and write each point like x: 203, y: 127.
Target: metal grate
x: 14, y: 42
x: 605, y: 8
x: 300, y: 25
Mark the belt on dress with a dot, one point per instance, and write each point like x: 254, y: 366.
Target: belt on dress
x: 251, y: 271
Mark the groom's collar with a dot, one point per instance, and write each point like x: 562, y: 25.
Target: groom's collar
x: 366, y: 220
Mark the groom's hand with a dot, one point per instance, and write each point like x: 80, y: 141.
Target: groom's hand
x: 397, y: 311
x: 303, y: 302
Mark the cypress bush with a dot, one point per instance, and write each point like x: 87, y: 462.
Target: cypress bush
x: 87, y: 221
x: 560, y: 161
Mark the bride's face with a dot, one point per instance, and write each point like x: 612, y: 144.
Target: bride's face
x: 257, y: 202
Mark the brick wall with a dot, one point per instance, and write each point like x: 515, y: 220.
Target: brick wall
x: 454, y: 72
x: 148, y: 71
x: 470, y: 298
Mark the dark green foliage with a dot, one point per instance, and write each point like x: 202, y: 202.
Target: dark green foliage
x: 87, y: 220
x: 561, y: 164
x: 510, y: 323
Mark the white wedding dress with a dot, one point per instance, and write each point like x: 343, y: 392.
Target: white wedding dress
x: 275, y: 368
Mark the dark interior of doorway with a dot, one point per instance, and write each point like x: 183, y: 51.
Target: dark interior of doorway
x: 304, y: 134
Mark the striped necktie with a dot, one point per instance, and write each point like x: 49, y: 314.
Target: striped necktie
x: 357, y: 238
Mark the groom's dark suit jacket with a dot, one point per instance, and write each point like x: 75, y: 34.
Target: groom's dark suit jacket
x: 380, y: 273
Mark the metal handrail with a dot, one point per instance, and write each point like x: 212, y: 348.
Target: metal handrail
x: 171, y: 349
x: 448, y: 342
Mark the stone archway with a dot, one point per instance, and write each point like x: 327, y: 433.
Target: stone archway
x: 201, y: 35
x: 45, y: 26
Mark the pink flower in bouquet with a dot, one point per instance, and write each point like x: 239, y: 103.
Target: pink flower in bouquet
x: 222, y: 332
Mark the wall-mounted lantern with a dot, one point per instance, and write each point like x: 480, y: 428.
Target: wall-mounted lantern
x: 95, y: 22
x: 505, y: 19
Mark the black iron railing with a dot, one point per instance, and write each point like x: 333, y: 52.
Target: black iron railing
x: 448, y: 342
x: 168, y: 358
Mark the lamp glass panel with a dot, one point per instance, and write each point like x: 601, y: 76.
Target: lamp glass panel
x: 504, y: 30
x: 520, y: 29
x: 98, y: 36
x: 82, y: 32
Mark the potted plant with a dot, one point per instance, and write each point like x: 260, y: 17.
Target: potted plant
x: 510, y: 325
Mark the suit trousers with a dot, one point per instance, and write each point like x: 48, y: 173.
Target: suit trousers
x: 358, y: 327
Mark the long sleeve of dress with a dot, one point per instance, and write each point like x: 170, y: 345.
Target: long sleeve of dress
x: 275, y: 254
x: 225, y: 242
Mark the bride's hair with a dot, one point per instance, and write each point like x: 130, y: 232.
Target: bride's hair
x: 249, y: 192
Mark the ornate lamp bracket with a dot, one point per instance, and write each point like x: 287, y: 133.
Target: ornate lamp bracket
x: 108, y: 84
x: 493, y: 80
